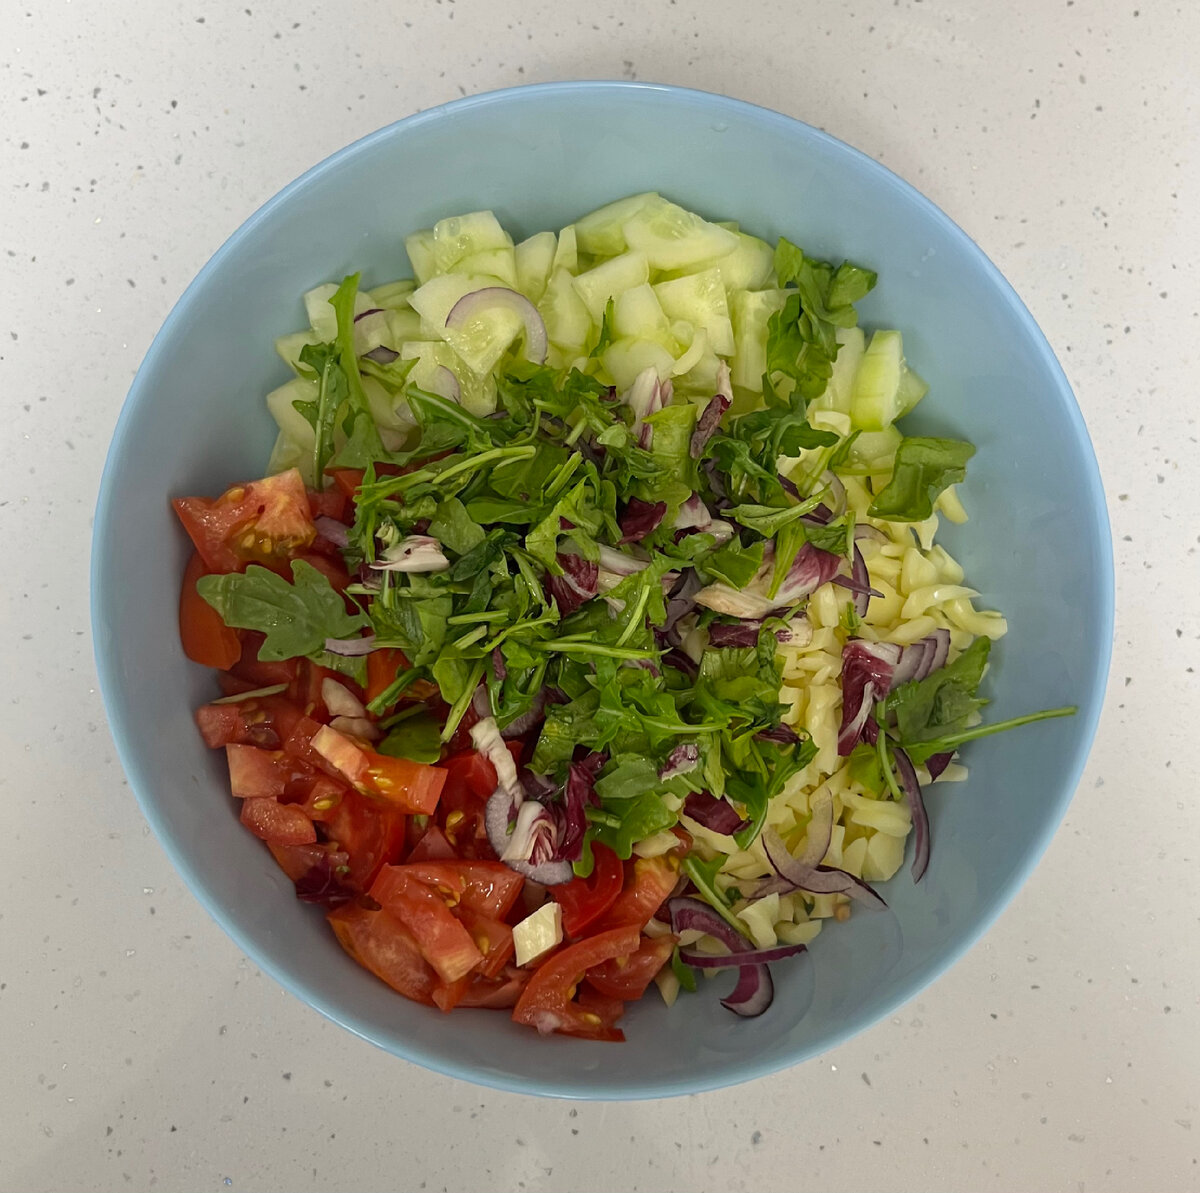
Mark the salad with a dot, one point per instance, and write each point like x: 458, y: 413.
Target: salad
x: 589, y: 629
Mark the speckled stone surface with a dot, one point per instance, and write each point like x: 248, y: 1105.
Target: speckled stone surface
x: 139, y: 1050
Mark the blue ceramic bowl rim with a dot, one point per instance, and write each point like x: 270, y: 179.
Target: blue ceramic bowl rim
x: 413, y: 1050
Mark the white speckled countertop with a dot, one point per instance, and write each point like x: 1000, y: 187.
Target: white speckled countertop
x: 140, y: 1050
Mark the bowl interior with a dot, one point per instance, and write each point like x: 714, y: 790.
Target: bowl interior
x: 1037, y: 545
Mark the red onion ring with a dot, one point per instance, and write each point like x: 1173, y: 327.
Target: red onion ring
x: 502, y: 298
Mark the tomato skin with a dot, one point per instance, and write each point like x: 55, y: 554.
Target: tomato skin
x: 630, y: 980
x: 585, y: 900
x: 297, y: 860
x: 649, y: 881
x: 382, y: 668
x: 492, y: 937
x: 265, y: 721
x: 412, y: 786
x: 485, y: 888
x: 276, y: 823
x: 495, y: 993
x: 347, y: 480
x: 431, y: 845
x: 547, y: 1002
x: 381, y: 944
x: 371, y: 833
x: 328, y: 503
x: 265, y: 521
x: 206, y: 639
x: 257, y: 773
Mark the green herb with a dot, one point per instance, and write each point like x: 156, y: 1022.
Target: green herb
x: 418, y: 738
x: 703, y: 875
x: 685, y: 973
x: 947, y: 744
x: 923, y: 469
x: 941, y: 703
x: 296, y: 618
x: 323, y: 362
x: 733, y: 563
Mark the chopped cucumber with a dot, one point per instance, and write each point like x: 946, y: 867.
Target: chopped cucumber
x: 750, y: 266
x: 873, y: 402
x: 403, y: 324
x: 419, y: 247
x: 476, y: 394
x: 287, y: 454
x: 874, y: 451
x: 500, y: 263
x: 568, y: 324
x: 700, y: 299
x: 597, y: 286
x: 393, y: 295
x: 837, y: 395
x: 320, y: 313
x: 462, y: 236
x: 566, y: 254
x: 913, y: 387
x: 390, y: 412
x: 290, y: 346
x: 696, y: 341
x: 482, y: 340
x: 636, y: 312
x: 625, y: 359
x: 600, y: 234
x: 290, y: 421
x: 672, y: 238
x: 373, y: 329
x: 535, y: 259
x: 751, y: 310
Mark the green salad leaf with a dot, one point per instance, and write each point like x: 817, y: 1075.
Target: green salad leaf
x: 923, y: 469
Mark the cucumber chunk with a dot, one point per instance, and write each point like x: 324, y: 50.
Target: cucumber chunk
x: 700, y: 299
x: 751, y: 309
x: 461, y: 236
x: 534, y: 260
x: 566, y: 254
x: 483, y: 339
x: 626, y: 358
x: 636, y: 312
x: 672, y: 238
x: 568, y: 324
x: 419, y: 247
x: 874, y: 397
x: 597, y: 286
x: 599, y: 233
x: 838, y: 393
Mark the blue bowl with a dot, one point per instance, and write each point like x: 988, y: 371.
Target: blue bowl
x: 1037, y: 545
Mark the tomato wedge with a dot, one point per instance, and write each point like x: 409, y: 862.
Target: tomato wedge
x: 411, y: 786
x: 486, y: 888
x: 276, y: 823
x: 649, y: 881
x: 266, y: 521
x: 627, y: 978
x: 381, y: 944
x: 547, y: 1002
x: 370, y: 832
x: 431, y: 844
x: 492, y: 937
x: 206, y: 638
x: 585, y: 900
x: 328, y: 503
x: 266, y: 721
x: 444, y: 942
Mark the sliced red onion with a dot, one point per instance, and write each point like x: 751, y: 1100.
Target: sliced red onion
x: 339, y: 700
x: 730, y: 960
x: 754, y: 991
x: 481, y: 706
x: 333, y: 531
x: 795, y: 874
x: 864, y: 530
x: 416, y: 553
x: 837, y: 492
x: 866, y: 677
x: 859, y: 583
x: 373, y: 311
x: 647, y: 395
x: 936, y: 763
x: 718, y: 815
x: 907, y: 775
x: 381, y: 354
x: 681, y: 760
x: 682, y: 662
x: 708, y: 421
x: 351, y: 648
x: 445, y: 384
x: 922, y: 658
x: 362, y: 727
x: 640, y: 519
x: 492, y: 298
x: 819, y: 834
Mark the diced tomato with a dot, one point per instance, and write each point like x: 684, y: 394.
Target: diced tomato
x: 585, y: 900
x: 265, y: 721
x: 279, y: 824
x: 206, y: 638
x: 262, y: 673
x: 470, y: 781
x: 445, y: 943
x: 431, y: 843
x: 547, y: 1002
x: 380, y: 943
x: 328, y: 503
x: 347, y: 480
x: 297, y: 860
x: 492, y: 937
x: 486, y: 888
x: 371, y: 832
x: 318, y: 795
x: 495, y: 993
x: 649, y: 881
x: 606, y: 1008
x: 265, y: 521
x: 627, y: 977
x: 382, y: 668
x: 411, y: 786
x: 255, y: 772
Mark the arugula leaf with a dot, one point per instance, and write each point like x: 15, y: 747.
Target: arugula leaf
x: 947, y: 744
x: 836, y: 537
x: 417, y: 738
x: 940, y: 703
x: 703, y: 875
x: 323, y: 362
x: 768, y: 520
x: 606, y: 332
x: 733, y: 563
x: 685, y: 973
x: 362, y: 446
x: 626, y: 779
x: 342, y: 302
x: 923, y: 468
x: 296, y: 618
x: 640, y: 818
x: 454, y: 527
